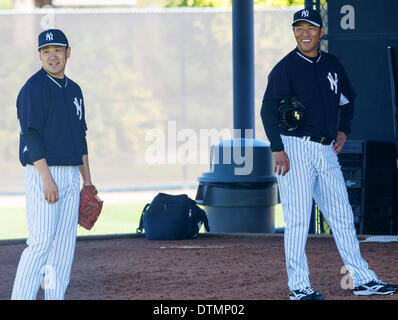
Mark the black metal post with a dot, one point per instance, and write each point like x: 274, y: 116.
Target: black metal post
x: 237, y: 200
x: 243, y: 65
x: 309, y: 4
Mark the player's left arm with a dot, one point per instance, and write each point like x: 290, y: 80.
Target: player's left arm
x: 344, y: 128
x: 85, y: 171
x: 346, y: 112
x: 346, y: 115
x: 85, y: 167
x: 339, y: 141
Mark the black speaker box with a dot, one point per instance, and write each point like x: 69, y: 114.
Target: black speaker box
x: 369, y: 169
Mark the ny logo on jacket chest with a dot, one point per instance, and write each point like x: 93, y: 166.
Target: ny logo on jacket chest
x: 79, y: 107
x: 333, y: 82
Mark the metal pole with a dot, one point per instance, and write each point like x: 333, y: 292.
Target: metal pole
x: 243, y: 65
x: 183, y: 87
x: 309, y: 4
x: 393, y: 97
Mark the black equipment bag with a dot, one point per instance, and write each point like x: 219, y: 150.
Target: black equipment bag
x: 172, y: 217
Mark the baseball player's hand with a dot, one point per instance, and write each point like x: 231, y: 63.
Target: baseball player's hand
x: 282, y: 162
x: 50, y: 190
x: 339, y: 142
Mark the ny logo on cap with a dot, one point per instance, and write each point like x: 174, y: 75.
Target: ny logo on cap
x: 305, y: 13
x: 49, y: 36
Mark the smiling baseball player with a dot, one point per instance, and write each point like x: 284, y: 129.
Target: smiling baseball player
x: 53, y: 149
x: 306, y: 160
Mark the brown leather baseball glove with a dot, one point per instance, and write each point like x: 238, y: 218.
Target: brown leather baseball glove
x: 90, y: 207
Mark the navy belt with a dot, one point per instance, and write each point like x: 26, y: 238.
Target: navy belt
x: 322, y: 140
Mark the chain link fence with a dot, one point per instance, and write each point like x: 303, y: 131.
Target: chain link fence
x: 322, y: 7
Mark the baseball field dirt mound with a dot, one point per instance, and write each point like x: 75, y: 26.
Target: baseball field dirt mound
x: 210, y: 267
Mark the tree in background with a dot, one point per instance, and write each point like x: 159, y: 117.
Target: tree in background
x: 214, y: 3
x: 198, y: 3
x: 228, y: 3
x: 5, y: 4
x: 278, y: 3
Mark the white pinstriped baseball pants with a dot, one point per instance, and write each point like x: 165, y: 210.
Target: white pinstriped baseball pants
x: 315, y: 173
x: 52, y: 235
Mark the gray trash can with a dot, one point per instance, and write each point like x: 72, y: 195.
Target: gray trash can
x: 238, y: 199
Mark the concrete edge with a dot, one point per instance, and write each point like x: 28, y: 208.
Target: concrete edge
x: 82, y: 238
x: 204, y: 235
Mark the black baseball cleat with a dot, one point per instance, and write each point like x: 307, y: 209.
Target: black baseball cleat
x: 305, y: 294
x: 375, y: 287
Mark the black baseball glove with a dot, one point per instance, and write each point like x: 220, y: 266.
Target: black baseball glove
x: 291, y: 114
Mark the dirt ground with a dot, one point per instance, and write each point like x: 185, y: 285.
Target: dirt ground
x: 210, y: 267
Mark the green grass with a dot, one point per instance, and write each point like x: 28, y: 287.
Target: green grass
x: 279, y: 222
x: 114, y: 219
x: 13, y: 223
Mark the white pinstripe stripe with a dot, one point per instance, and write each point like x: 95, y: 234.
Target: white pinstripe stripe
x: 332, y: 198
x: 64, y: 242
x: 52, y: 234
x: 315, y: 172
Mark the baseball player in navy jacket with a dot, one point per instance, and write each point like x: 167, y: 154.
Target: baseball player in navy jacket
x: 53, y: 151
x: 306, y: 160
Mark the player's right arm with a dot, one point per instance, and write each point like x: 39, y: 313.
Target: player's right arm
x: 270, y: 122
x: 35, y: 145
x: 31, y: 117
x: 278, y: 87
x: 282, y: 162
x: 50, y: 189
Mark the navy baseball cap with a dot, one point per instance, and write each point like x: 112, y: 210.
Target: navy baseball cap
x: 52, y: 37
x: 309, y: 15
